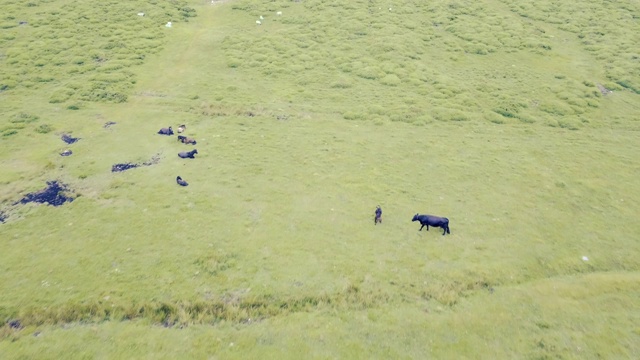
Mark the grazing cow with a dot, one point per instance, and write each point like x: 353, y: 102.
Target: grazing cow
x: 181, y: 128
x: 378, y: 218
x: 166, y: 131
x: 186, y: 140
x: 435, y: 221
x: 181, y: 182
x: 188, y: 154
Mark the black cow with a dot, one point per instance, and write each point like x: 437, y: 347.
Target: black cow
x: 378, y: 218
x: 435, y: 221
x: 188, y: 154
x: 181, y: 182
x: 186, y: 140
x: 166, y: 131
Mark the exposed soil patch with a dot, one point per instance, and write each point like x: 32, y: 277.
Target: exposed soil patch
x: 123, y: 167
x: 604, y: 90
x: 126, y: 166
x: 154, y: 160
x: 54, y: 194
x: 69, y: 139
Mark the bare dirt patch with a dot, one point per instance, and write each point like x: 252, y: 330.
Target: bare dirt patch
x: 56, y: 194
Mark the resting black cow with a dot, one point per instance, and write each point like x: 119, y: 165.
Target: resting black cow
x: 166, y: 131
x: 188, y: 154
x: 435, y: 221
x: 181, y: 182
x: 378, y: 218
x: 186, y: 140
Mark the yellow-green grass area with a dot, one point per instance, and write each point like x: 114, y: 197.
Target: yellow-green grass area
x: 468, y: 110
x: 574, y: 318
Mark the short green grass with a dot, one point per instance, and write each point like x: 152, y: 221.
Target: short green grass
x: 489, y: 113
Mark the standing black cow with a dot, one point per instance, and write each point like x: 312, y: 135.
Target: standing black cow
x: 378, y: 218
x: 435, y: 221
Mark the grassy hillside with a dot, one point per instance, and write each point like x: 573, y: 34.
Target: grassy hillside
x: 517, y: 122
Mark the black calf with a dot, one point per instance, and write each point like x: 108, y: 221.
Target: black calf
x: 166, y: 131
x: 435, y: 221
x: 378, y: 218
x: 181, y: 182
x: 188, y: 154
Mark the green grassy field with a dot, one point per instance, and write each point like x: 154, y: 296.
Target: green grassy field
x: 518, y: 122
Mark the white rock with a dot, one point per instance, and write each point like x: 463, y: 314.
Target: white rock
x: 584, y: 258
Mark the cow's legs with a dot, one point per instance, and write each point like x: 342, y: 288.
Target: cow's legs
x: 422, y: 227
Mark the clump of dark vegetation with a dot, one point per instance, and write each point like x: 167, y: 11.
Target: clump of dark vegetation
x: 17, y: 122
x: 69, y: 139
x: 3, y: 217
x: 108, y: 124
x: 460, y: 30
x: 126, y: 166
x: 232, y: 307
x: 56, y: 194
x: 97, y: 65
x: 23, y: 118
x: 44, y: 129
